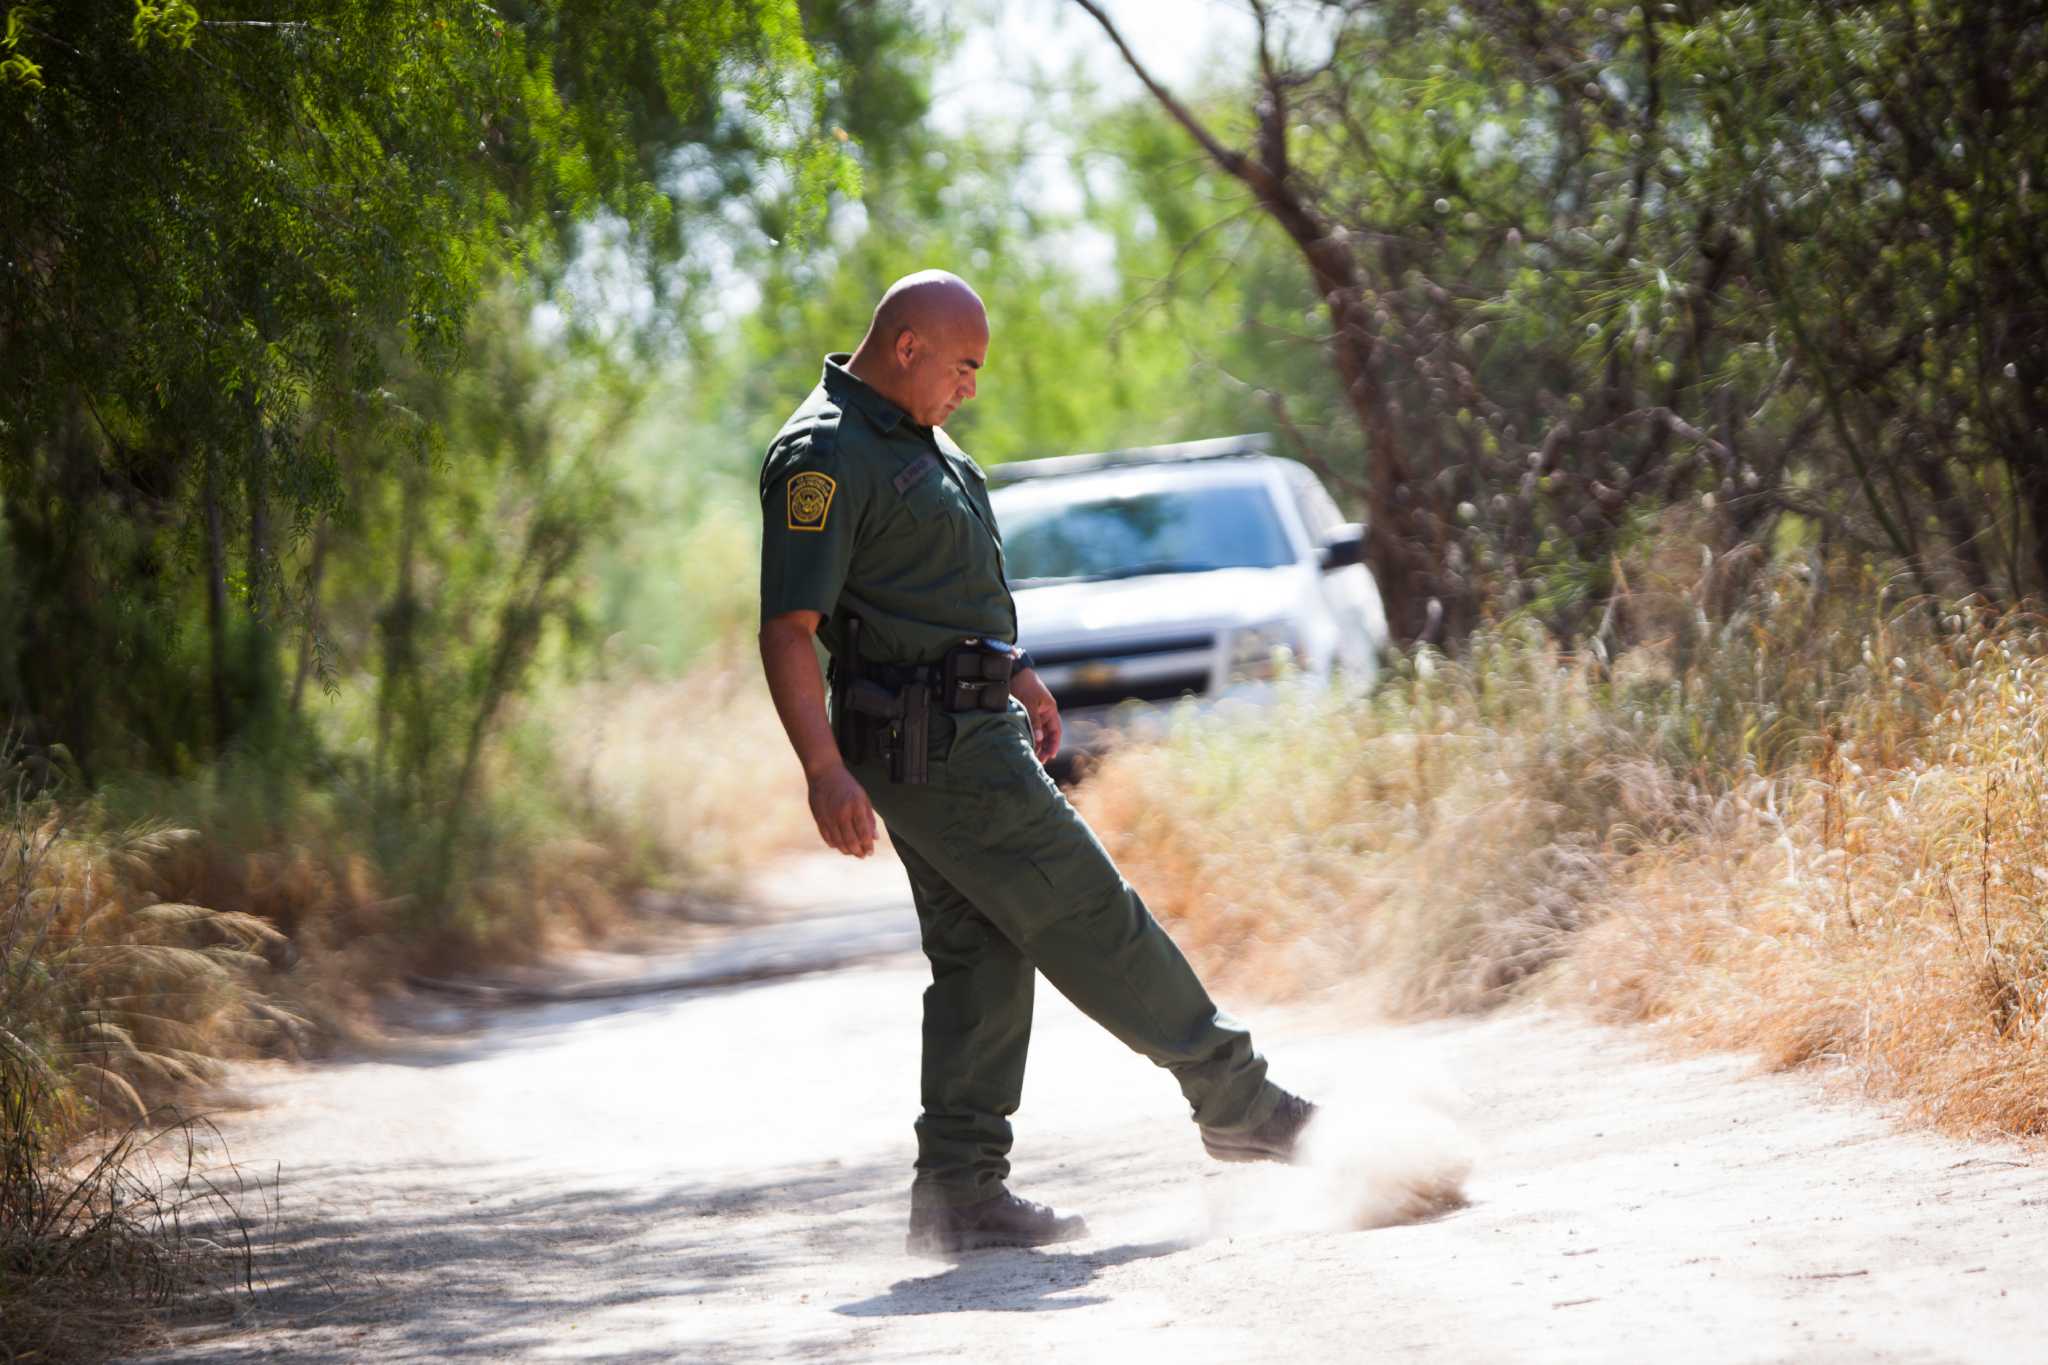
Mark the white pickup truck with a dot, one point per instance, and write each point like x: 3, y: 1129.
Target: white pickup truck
x: 1203, y: 570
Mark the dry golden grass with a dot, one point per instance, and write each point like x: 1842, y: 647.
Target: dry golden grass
x: 696, y: 768
x: 116, y: 994
x: 1411, y: 841
x: 1798, y: 829
x: 1882, y: 909
x: 88, y: 1249
x: 157, y: 928
x: 342, y: 931
x: 112, y: 1001
x: 137, y: 955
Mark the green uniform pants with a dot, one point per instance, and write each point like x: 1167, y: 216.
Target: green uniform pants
x: 1007, y: 878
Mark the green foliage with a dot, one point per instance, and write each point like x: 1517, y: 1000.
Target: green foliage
x: 175, y: 22
x: 232, y: 229
x: 1080, y: 358
x: 1601, y: 258
x: 484, y: 573
x: 247, y: 384
x: 1097, y: 342
x: 15, y: 68
x: 1881, y: 169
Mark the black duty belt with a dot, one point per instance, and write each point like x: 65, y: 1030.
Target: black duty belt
x: 969, y: 677
x: 891, y: 704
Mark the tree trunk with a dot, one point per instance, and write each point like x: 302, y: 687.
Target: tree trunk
x: 1406, y: 549
x: 1958, y: 526
x: 262, y: 566
x: 398, y: 623
x: 310, y: 635
x: 259, y: 652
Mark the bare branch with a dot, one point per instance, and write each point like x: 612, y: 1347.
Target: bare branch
x: 1272, y: 104
x: 1408, y: 548
x: 1228, y: 159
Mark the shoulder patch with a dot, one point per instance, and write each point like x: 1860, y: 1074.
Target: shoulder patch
x: 810, y: 500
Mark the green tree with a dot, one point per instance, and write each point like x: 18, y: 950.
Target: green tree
x: 1576, y: 265
x: 229, y: 226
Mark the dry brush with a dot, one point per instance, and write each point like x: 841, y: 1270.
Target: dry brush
x: 1815, y: 831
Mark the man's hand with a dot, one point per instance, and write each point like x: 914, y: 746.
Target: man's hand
x: 1043, y: 710
x: 846, y: 818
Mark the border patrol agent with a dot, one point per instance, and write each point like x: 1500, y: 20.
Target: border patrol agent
x: 880, y: 541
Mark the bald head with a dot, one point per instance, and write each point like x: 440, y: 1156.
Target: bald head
x: 927, y: 301
x: 925, y: 344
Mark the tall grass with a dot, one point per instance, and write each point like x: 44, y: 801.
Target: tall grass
x: 351, y: 893
x: 152, y: 929
x: 87, y: 1249
x: 694, y: 772
x: 112, y: 994
x: 1881, y: 903
x: 1779, y: 817
x: 112, y: 1000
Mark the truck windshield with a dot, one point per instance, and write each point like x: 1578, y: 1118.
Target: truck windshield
x: 1047, y: 539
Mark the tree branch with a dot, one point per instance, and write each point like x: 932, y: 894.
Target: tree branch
x: 1408, y: 547
x: 1230, y: 160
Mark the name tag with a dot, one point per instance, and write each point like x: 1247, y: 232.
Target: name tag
x: 916, y: 472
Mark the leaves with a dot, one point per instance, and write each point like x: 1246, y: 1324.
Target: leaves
x: 1577, y: 263
x: 15, y: 68
x: 228, y: 236
x: 173, y: 22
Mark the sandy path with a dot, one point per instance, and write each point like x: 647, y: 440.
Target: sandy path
x: 720, y: 1176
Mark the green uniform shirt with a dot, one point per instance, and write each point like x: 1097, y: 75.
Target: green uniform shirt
x: 865, y: 511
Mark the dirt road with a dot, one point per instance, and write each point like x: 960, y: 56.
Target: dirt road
x: 720, y: 1175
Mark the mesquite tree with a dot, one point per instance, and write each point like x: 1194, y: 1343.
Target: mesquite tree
x: 1581, y: 263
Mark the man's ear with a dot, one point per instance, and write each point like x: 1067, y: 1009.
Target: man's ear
x: 906, y: 347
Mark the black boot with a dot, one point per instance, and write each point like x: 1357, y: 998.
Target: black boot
x: 1001, y: 1220
x: 1277, y: 1139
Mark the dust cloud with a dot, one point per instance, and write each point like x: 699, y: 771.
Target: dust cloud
x: 1388, y: 1145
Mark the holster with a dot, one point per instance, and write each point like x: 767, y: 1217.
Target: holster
x: 910, y: 759
x: 892, y: 706
x: 892, y: 703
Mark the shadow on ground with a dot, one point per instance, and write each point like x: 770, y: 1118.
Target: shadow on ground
x: 984, y: 1282
x: 508, y: 1264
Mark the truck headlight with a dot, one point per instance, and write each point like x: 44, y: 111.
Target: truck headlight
x: 1264, y: 652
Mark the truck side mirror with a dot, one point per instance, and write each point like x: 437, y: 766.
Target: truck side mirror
x: 1344, y: 546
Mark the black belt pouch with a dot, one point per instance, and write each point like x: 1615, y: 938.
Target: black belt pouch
x: 975, y: 679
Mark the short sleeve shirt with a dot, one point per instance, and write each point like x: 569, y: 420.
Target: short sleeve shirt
x: 865, y: 512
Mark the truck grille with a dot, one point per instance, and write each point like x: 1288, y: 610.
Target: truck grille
x: 1171, y: 687
x: 1179, y: 644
